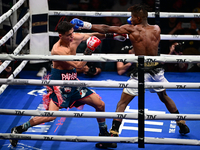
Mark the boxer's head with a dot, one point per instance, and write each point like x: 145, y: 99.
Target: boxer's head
x: 65, y: 30
x: 139, y: 12
x: 64, y: 27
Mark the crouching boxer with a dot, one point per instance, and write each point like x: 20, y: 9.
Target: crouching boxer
x: 58, y: 97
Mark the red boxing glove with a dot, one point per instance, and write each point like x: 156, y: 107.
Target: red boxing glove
x: 116, y: 36
x: 92, y: 43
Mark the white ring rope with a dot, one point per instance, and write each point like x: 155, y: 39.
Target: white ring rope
x: 179, y: 37
x: 111, y: 84
x: 22, y: 44
x: 68, y: 138
x: 14, y: 74
x: 163, y: 36
x: 150, y: 140
x: 120, y: 14
x: 15, y: 52
x: 82, y: 114
x: 106, y: 58
x: 10, y: 11
x: 15, y: 28
x: 100, y: 58
x: 19, y: 68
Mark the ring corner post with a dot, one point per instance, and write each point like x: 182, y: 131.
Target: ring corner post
x: 141, y: 101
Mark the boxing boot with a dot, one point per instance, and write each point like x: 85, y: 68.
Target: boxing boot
x: 106, y: 145
x: 183, y: 127
x: 16, y: 130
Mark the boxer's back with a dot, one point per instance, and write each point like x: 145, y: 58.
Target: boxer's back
x: 145, y: 39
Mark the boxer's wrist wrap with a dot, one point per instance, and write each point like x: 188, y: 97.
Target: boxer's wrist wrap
x: 109, y: 35
x: 86, y: 25
x: 88, y: 51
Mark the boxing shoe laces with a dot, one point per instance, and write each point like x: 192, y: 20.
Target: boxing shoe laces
x: 16, y: 130
x: 183, y: 127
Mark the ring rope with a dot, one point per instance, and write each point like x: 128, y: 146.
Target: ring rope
x: 110, y: 84
x: 120, y: 14
x: 15, y: 52
x: 15, y: 28
x: 19, y: 68
x: 14, y: 74
x: 150, y: 140
x: 10, y: 11
x: 82, y: 114
x: 105, y: 58
x: 68, y: 138
x: 163, y: 36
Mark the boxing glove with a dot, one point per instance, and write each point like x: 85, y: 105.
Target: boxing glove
x: 79, y: 24
x: 129, y: 20
x: 116, y: 36
x: 92, y: 43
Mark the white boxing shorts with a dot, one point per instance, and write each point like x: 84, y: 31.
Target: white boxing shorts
x: 159, y: 77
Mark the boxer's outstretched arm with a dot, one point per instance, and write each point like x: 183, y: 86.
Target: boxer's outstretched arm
x: 110, y: 29
x: 102, y: 28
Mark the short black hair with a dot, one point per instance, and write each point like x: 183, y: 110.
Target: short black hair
x: 64, y: 26
x: 140, y: 10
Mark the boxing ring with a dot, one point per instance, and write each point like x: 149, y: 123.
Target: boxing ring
x: 142, y: 115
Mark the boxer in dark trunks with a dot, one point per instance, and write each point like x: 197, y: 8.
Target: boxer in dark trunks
x: 67, y: 97
x: 145, y: 39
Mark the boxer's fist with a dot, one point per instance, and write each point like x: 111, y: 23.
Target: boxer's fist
x: 129, y: 20
x: 92, y: 43
x: 79, y: 24
x: 116, y: 36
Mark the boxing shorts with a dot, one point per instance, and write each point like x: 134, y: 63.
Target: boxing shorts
x: 152, y: 74
x: 64, y: 96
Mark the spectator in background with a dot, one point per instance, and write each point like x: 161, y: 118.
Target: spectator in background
x: 176, y: 49
x: 91, y: 69
x: 124, y: 67
x: 167, y: 27
x: 171, y: 26
x: 190, y: 46
x: 183, y: 27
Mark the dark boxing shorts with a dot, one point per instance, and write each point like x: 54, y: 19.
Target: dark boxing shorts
x: 62, y: 96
